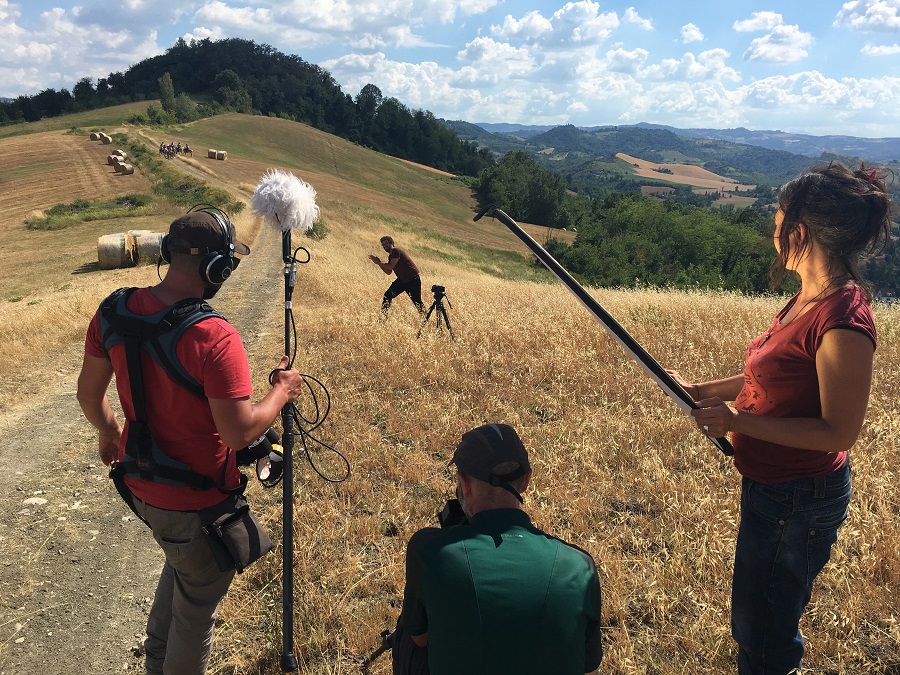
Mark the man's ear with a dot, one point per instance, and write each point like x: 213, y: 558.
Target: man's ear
x: 526, y: 481
x: 465, y: 484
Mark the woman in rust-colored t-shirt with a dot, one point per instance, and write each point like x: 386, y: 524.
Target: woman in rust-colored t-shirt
x: 798, y: 407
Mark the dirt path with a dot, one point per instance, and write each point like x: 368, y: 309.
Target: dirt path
x: 77, y: 570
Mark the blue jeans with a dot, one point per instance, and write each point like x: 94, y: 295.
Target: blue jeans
x: 784, y: 540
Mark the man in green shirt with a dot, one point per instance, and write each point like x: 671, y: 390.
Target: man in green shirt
x: 497, y: 595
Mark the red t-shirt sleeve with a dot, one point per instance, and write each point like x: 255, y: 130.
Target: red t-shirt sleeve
x: 92, y: 344
x: 226, y: 371
x: 212, y: 351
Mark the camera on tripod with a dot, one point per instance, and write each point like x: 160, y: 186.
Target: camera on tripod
x: 438, y: 308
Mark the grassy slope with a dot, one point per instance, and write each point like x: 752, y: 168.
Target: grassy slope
x: 90, y: 119
x: 618, y: 470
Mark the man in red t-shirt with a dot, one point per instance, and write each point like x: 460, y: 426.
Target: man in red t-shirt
x: 407, y: 280
x: 200, y: 432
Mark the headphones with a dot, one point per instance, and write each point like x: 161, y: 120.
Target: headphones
x: 217, y: 265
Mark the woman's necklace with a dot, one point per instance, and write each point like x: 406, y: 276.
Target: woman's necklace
x: 780, y: 324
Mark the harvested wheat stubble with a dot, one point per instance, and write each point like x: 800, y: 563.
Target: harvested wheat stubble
x: 221, y: 154
x: 211, y: 153
x: 114, y: 251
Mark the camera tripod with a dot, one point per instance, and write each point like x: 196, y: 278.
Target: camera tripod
x: 440, y: 294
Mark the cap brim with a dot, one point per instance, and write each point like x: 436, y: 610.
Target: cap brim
x: 241, y: 249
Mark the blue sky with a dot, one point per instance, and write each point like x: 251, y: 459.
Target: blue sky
x: 820, y: 67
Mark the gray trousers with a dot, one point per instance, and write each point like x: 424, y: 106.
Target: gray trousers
x: 183, y: 614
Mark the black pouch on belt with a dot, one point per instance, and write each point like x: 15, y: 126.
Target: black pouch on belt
x: 235, y: 537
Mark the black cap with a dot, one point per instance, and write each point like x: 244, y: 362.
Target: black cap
x: 487, y: 446
x: 201, y: 233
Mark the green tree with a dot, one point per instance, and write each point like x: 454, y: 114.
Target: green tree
x: 185, y: 109
x: 83, y: 92
x: 518, y: 186
x: 167, y: 93
x: 231, y: 91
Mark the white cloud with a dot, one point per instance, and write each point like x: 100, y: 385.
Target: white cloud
x: 527, y: 29
x: 629, y: 62
x: 578, y: 23
x: 880, y: 50
x: 60, y: 48
x: 870, y: 15
x: 369, y: 42
x: 708, y: 66
x: 827, y: 96
x: 133, y: 16
x: 203, y: 33
x: 497, y: 61
x: 631, y: 16
x: 690, y: 33
x: 311, y: 23
x: 785, y: 44
x: 583, y: 23
x: 759, y: 21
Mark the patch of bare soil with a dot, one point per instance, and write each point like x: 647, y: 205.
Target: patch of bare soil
x: 77, y: 570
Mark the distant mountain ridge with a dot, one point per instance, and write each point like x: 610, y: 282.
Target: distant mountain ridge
x: 586, y: 158
x: 873, y: 149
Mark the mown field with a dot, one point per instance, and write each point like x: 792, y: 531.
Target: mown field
x: 702, y: 180
x: 618, y: 469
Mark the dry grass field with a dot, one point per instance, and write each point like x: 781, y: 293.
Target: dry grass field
x: 43, y: 169
x: 618, y: 469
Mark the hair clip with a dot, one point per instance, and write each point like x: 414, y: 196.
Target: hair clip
x: 872, y: 177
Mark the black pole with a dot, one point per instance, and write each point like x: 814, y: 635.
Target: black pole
x: 288, y: 658
x: 631, y: 346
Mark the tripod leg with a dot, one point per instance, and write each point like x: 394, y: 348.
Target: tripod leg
x: 443, y: 312
x: 427, y: 316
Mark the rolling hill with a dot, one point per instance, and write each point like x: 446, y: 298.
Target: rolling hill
x: 884, y: 150
x: 619, y: 470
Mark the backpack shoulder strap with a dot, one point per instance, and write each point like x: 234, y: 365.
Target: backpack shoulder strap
x: 158, y: 333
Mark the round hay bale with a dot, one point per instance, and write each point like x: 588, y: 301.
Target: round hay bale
x: 114, y: 251
x: 95, y: 136
x: 126, y: 169
x: 112, y: 159
x: 132, y: 237
x: 221, y: 154
x: 147, y: 248
x: 211, y: 153
x: 120, y: 153
x: 106, y: 139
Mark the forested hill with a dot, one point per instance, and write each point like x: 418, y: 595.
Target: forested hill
x: 571, y: 150
x: 660, y: 145
x: 240, y: 75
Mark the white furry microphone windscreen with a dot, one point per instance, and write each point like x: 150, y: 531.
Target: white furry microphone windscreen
x: 285, y: 202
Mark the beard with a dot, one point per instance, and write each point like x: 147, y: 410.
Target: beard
x: 462, y: 502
